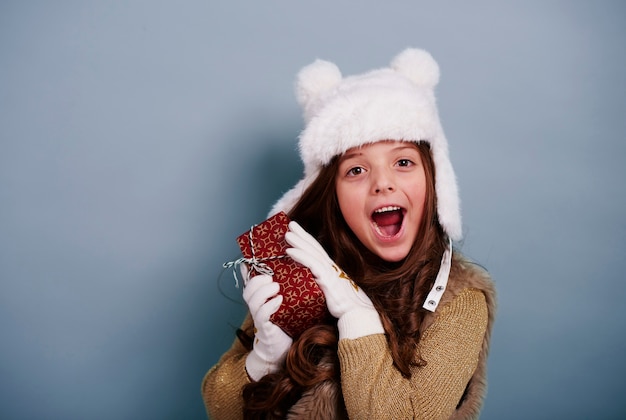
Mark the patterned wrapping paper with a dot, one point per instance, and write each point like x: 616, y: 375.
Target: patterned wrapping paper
x: 304, y: 305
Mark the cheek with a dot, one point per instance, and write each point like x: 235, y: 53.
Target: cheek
x: 344, y: 203
x: 420, y: 199
x: 420, y: 194
x: 420, y: 202
x: 349, y: 204
x: 418, y: 190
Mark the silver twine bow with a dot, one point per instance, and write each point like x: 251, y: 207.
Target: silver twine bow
x: 254, y: 263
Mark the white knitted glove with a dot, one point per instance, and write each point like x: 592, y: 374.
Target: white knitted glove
x: 346, y: 301
x: 271, y: 343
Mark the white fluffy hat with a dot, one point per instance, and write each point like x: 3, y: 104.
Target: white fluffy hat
x: 393, y: 103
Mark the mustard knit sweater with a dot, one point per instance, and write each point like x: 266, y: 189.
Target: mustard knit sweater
x: 372, y: 387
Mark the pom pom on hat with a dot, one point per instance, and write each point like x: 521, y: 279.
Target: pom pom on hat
x: 393, y: 103
x: 313, y: 80
x: 417, y: 65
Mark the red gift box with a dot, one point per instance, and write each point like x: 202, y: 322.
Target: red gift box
x: 263, y: 247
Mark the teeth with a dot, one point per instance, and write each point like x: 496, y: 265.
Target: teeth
x: 388, y: 208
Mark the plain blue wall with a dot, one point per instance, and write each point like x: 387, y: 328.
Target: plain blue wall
x: 139, y: 138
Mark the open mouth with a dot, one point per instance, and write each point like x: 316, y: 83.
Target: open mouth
x: 388, y: 220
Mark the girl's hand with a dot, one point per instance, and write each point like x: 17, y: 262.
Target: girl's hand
x: 271, y: 343
x: 346, y: 301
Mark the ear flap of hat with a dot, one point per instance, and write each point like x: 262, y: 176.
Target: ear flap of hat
x: 314, y: 80
x: 418, y: 66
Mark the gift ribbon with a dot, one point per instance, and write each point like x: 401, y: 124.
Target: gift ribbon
x: 255, y: 263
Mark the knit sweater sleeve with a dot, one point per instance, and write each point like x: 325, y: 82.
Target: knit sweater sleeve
x: 223, y: 383
x: 373, y: 388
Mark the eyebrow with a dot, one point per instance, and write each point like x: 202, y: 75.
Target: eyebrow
x: 349, y: 156
x: 357, y: 153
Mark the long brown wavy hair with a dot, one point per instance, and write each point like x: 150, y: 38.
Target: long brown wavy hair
x: 397, y: 290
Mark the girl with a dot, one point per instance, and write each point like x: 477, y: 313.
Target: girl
x: 373, y: 219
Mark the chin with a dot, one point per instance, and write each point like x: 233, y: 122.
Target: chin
x: 392, y: 255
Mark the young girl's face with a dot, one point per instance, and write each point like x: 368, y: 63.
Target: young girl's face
x: 381, y: 189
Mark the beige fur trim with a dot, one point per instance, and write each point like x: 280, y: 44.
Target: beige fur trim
x: 466, y: 274
x: 324, y: 401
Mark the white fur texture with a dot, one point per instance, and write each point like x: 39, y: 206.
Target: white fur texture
x: 312, y: 81
x: 394, y: 103
x: 418, y: 65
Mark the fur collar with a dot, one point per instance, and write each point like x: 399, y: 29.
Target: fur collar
x: 322, y: 402
x: 467, y: 274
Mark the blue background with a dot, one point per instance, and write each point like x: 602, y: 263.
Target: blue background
x: 139, y: 138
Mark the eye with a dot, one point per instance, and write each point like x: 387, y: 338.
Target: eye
x: 404, y: 162
x: 357, y: 170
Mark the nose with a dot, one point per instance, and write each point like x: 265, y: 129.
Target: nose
x: 383, y: 183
